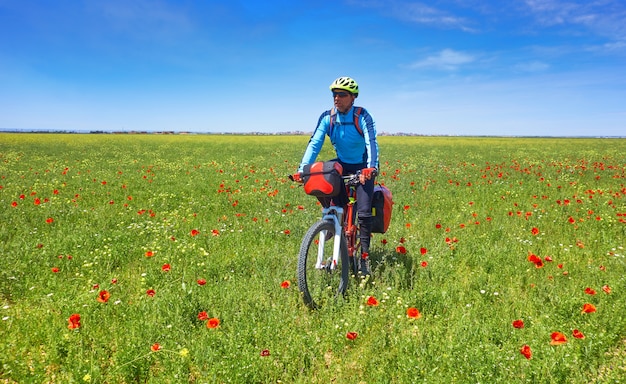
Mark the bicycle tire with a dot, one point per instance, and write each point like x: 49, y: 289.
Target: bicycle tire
x: 320, y: 286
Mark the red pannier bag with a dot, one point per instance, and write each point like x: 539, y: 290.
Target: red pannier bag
x: 323, y: 178
x: 382, y: 203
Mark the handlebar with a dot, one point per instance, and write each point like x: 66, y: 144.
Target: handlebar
x: 349, y: 180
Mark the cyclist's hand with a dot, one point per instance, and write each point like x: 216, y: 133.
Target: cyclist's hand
x: 367, y: 174
x: 297, y: 177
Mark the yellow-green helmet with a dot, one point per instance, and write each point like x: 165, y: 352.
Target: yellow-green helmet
x: 347, y: 84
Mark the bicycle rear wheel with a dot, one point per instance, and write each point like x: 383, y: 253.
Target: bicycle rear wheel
x: 321, y: 285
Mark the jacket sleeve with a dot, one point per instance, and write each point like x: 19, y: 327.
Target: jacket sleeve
x: 371, y: 143
x: 316, y: 141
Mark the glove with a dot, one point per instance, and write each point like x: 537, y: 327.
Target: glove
x: 297, y: 177
x: 368, y: 173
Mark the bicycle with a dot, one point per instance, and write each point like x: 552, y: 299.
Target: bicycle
x: 328, y: 250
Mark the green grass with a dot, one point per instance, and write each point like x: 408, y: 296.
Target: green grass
x: 465, y: 206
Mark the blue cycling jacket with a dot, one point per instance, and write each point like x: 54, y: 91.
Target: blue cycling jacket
x: 350, y: 146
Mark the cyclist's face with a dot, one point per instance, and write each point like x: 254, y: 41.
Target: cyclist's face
x: 343, y: 100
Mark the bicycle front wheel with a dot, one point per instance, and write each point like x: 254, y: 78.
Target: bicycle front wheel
x: 319, y: 280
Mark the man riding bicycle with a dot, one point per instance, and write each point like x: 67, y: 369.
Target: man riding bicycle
x: 352, y: 132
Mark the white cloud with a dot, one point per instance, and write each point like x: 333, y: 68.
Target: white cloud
x: 604, y: 17
x: 446, y: 59
x: 532, y: 66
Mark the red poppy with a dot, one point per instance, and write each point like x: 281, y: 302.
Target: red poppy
x: 558, y: 338
x: 351, y: 335
x: 606, y: 289
x: 73, y: 321
x: 155, y: 347
x: 578, y: 334
x: 424, y: 264
x: 55, y: 269
x: 401, y: 250
x: 203, y: 316
x: 518, y: 324
x: 215, y: 232
x: 150, y: 292
x: 413, y: 313
x: 535, y: 231
x: 166, y: 268
x: 149, y: 253
x: 103, y: 296
x: 536, y: 260
x: 372, y: 301
x: 195, y: 232
x: 590, y: 291
x: 285, y: 284
x: 287, y: 232
x: 49, y: 220
x: 588, y: 308
x: 265, y: 352
x: 37, y: 201
x: 14, y: 204
x: 423, y: 250
x: 213, y: 323
x: 383, y: 241
x: 525, y: 350
x: 201, y: 281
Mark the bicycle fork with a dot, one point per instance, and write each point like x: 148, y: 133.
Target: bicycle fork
x: 334, y: 214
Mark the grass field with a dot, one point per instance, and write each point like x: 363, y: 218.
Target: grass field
x: 167, y: 259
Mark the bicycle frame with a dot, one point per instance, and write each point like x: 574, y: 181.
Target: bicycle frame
x: 344, y: 225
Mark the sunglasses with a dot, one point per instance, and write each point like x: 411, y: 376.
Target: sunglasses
x: 340, y: 94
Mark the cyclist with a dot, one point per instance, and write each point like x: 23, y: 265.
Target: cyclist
x: 357, y: 150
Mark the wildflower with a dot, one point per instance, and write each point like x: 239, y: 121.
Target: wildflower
x: 423, y: 250
x: 424, y: 264
x: 14, y: 204
x: 558, y: 338
x: 401, y: 250
x: 194, y: 232
x: 49, y: 220
x: 351, y: 335
x: 285, y: 284
x: 201, y: 282
x: 73, y: 321
x: 535, y: 259
x: 183, y: 352
x: 535, y: 231
x: 413, y: 313
x: 87, y: 378
x: 383, y: 241
x: 150, y: 292
x: 149, y: 253
x: 155, y: 347
x: 590, y: 291
x: 588, y: 308
x: 518, y: 324
x: 606, y: 289
x: 578, y: 334
x: 265, y: 352
x: 287, y: 232
x: 166, y: 268
x: 203, y: 316
x: 55, y: 269
x: 213, y: 323
x: 525, y: 350
x: 372, y: 301
x: 215, y: 232
x: 103, y: 296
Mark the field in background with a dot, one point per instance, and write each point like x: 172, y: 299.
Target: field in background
x: 144, y: 258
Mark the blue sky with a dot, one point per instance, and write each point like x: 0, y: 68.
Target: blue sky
x: 447, y: 67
